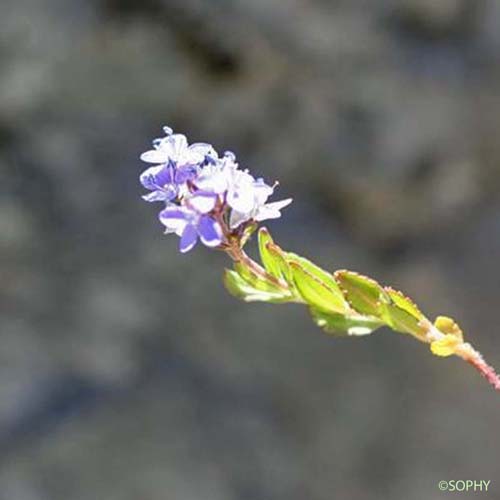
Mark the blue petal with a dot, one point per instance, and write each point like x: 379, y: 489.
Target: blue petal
x: 158, y: 195
x: 164, y: 176
x: 154, y: 178
x: 184, y: 174
x: 188, y: 239
x: 209, y: 231
x: 202, y: 202
x: 175, y: 219
x: 147, y: 178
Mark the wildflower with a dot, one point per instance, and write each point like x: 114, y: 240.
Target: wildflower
x: 206, y: 197
x: 178, y: 163
x: 190, y: 224
x: 249, y: 202
x: 174, y: 149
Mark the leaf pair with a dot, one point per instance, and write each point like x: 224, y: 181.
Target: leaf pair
x: 343, y: 303
x: 390, y: 306
x: 452, y: 339
x: 299, y: 281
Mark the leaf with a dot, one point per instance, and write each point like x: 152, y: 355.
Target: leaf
x: 449, y: 327
x: 269, y: 258
x: 314, y: 291
x: 402, y: 321
x: 344, y: 324
x: 247, y: 233
x: 255, y: 280
x: 403, y: 315
x: 364, y: 295
x: 404, y: 302
x: 279, y: 257
x: 240, y: 288
x: 325, y: 278
x: 446, y: 346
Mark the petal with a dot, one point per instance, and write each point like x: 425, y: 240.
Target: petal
x: 175, y: 219
x: 203, y: 202
x: 174, y: 146
x: 210, y: 232
x: 188, y: 239
x: 159, y: 195
x: 155, y: 156
x: 184, y: 174
x: 199, y: 150
x: 213, y: 179
x: 261, y: 192
x: 272, y: 210
x: 165, y: 175
x: 148, y: 178
x: 241, y: 193
x: 242, y: 200
x: 237, y: 218
x: 154, y: 178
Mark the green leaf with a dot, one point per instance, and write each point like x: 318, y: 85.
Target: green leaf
x: 279, y: 257
x: 240, y: 288
x: 404, y: 302
x: 314, y: 291
x: 446, y: 346
x: 247, y: 233
x: 345, y: 324
x: 270, y: 259
x: 258, y: 281
x: 326, y: 279
x: 449, y: 327
x: 364, y: 295
x: 402, y: 321
x: 403, y: 315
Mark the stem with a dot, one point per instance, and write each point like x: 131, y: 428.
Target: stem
x: 239, y: 255
x: 474, y: 358
x: 469, y: 354
x: 429, y: 333
x: 233, y: 248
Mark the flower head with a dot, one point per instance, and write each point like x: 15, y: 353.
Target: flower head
x: 189, y: 225
x: 206, y: 197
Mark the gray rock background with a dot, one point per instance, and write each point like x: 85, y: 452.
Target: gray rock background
x: 126, y: 370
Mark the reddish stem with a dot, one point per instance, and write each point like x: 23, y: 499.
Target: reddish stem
x: 487, y: 371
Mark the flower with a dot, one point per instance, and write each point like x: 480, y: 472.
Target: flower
x: 249, y: 202
x: 206, y: 197
x: 174, y: 149
x: 166, y: 181
x: 178, y: 163
x: 189, y: 225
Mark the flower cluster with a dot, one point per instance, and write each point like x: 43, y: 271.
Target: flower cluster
x: 206, y: 195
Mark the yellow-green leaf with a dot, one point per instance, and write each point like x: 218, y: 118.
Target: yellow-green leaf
x: 259, y: 282
x: 449, y: 327
x: 345, y: 324
x: 314, y: 291
x: 404, y: 302
x: 446, y: 346
x: 325, y: 278
x: 364, y: 295
x: 402, y: 321
x: 269, y: 259
x: 280, y: 260
x: 240, y: 288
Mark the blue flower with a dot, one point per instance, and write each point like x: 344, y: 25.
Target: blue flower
x: 176, y: 164
x: 191, y: 225
x: 206, y: 197
x: 166, y: 182
x: 174, y: 149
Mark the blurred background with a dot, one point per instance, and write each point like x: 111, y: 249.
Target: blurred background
x: 126, y: 369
